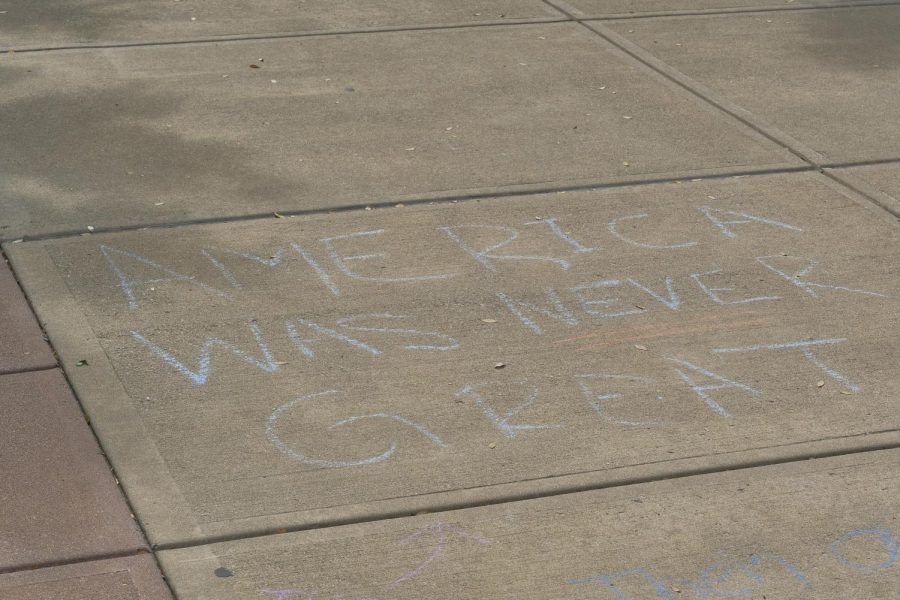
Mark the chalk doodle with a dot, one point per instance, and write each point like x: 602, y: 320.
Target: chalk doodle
x: 276, y: 440
x: 885, y: 538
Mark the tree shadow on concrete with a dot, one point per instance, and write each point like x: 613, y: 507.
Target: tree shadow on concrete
x: 106, y: 156
x: 860, y: 38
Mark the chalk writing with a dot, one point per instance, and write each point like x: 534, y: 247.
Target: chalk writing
x: 440, y: 532
x: 712, y: 291
x: 885, y: 538
x: 613, y: 227
x: 128, y: 284
x: 600, y: 402
x: 486, y: 256
x: 274, y: 260
x: 760, y: 574
x: 448, y: 342
x: 555, y: 228
x: 701, y: 390
x: 501, y: 421
x: 340, y: 261
x: 201, y: 373
x: 556, y: 311
x: 804, y: 347
x: 276, y: 440
x: 743, y: 218
x: 807, y: 286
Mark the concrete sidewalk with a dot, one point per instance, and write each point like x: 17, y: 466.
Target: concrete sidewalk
x: 464, y: 299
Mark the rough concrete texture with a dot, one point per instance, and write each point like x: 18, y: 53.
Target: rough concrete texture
x: 828, y: 78
x: 598, y: 8
x: 22, y: 346
x: 296, y: 371
x: 158, y: 134
x: 809, y: 530
x: 132, y: 578
x: 40, y: 24
x: 880, y: 182
x: 60, y: 502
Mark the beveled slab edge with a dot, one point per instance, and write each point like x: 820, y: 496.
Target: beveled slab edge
x: 861, y: 186
x: 139, y: 466
x: 141, y: 568
x: 210, y: 39
x: 745, y: 117
x: 564, y: 6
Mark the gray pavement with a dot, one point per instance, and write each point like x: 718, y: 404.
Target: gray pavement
x: 582, y: 286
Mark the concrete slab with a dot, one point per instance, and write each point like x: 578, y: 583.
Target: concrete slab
x: 814, y: 529
x: 625, y: 8
x: 164, y: 134
x: 22, y: 344
x: 296, y: 372
x: 827, y: 78
x: 28, y: 24
x: 60, y: 502
x: 131, y: 578
x: 879, y: 182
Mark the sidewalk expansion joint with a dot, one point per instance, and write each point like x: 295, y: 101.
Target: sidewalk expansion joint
x: 562, y: 491
x: 409, y: 201
x: 294, y: 35
x: 732, y: 11
x: 75, y: 561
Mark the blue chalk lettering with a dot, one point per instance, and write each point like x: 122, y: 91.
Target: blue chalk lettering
x: 449, y: 343
x: 804, y: 347
x: 807, y: 286
x: 743, y: 218
x: 587, y: 303
x: 502, y: 421
x: 701, y: 390
x: 599, y: 401
x: 613, y: 227
x: 275, y: 439
x: 555, y: 228
x: 558, y: 312
x: 275, y: 260
x: 204, y: 365
x: 672, y: 301
x: 302, y: 344
x: 485, y: 256
x: 884, y: 536
x: 129, y: 284
x: 660, y: 586
x: 340, y: 261
x: 711, y: 291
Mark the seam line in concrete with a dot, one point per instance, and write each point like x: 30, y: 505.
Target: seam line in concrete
x: 572, y: 489
x: 861, y: 192
x: 696, y: 89
x: 861, y: 163
x: 74, y: 561
x: 301, y: 34
x: 734, y: 11
x: 29, y: 369
x: 413, y: 201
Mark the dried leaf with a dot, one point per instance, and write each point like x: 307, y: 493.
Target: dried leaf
x: 640, y: 347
